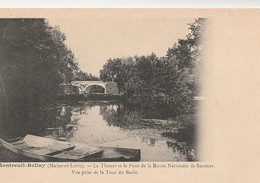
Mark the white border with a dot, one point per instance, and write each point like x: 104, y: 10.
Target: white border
x: 129, y: 4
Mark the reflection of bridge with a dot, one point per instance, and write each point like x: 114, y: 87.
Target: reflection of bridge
x: 88, y: 86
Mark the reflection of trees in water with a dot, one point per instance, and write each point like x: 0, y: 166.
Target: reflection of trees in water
x: 61, y: 132
x: 30, y: 120
x: 153, y: 109
x: 34, y: 119
x: 79, y: 110
x: 53, y: 120
x: 129, y: 115
x: 61, y: 122
x: 64, y: 126
x: 149, y: 141
x: 120, y: 116
x: 181, y: 140
x: 187, y: 152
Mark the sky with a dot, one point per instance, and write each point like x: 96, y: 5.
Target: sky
x: 94, y: 39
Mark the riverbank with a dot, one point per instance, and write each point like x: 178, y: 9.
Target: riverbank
x: 90, y: 97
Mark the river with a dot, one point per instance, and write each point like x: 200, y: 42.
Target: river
x: 151, y: 128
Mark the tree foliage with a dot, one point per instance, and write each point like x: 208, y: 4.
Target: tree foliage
x: 172, y: 77
x: 83, y: 76
x: 34, y: 60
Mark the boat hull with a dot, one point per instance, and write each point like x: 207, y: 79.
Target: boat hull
x: 105, y: 154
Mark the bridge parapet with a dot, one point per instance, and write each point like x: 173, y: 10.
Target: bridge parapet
x: 83, y: 86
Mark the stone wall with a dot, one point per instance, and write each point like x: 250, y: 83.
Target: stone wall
x: 112, y: 88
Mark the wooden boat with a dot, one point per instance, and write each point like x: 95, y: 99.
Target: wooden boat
x: 50, y: 150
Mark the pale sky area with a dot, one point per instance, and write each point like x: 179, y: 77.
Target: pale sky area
x: 96, y: 39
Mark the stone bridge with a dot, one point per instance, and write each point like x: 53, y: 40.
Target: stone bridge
x: 96, y: 87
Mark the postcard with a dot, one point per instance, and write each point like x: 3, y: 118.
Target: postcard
x: 129, y: 95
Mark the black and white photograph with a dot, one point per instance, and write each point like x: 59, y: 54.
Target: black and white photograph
x: 98, y: 88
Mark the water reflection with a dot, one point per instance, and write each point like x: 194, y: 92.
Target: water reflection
x: 116, y: 124
x: 121, y: 116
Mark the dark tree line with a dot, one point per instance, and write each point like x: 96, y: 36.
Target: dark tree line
x: 34, y: 61
x: 83, y: 76
x: 173, y: 77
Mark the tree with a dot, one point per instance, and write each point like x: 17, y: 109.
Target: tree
x: 114, y: 71
x: 83, y: 76
x: 80, y: 76
x: 173, y: 77
x: 110, y: 69
x: 67, y: 65
x: 34, y: 61
x: 91, y: 77
x: 187, y: 53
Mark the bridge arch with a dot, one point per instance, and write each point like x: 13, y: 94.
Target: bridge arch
x: 110, y: 87
x: 95, y: 88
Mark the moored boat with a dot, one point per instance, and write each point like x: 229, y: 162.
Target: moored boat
x: 50, y: 150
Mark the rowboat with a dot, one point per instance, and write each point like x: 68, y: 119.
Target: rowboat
x: 50, y: 150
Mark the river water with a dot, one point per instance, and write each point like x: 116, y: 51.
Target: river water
x: 151, y: 128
